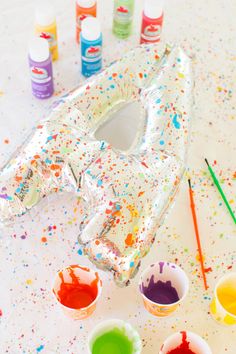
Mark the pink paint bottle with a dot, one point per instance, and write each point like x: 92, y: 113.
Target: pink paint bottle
x: 152, y: 21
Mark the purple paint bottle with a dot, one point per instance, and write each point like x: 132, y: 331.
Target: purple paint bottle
x: 40, y: 63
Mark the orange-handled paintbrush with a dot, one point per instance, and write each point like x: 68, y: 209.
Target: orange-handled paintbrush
x: 192, y: 205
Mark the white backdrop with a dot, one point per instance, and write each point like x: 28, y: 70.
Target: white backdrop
x: 31, y: 321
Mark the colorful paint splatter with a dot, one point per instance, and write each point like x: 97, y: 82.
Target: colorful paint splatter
x: 30, y: 318
x: 126, y: 195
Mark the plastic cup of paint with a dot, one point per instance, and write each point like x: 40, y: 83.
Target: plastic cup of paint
x: 77, y: 290
x: 114, y: 337
x: 185, y: 342
x: 223, y: 306
x: 163, y: 287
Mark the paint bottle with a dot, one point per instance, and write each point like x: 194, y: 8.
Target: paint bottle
x: 91, y: 46
x: 123, y: 18
x: 40, y: 63
x: 152, y: 21
x: 45, y: 25
x: 84, y: 8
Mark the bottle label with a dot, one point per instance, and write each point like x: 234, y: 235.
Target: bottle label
x: 39, y: 75
x: 123, y: 14
x: 152, y: 32
x: 93, y: 53
x: 41, y: 78
x: 49, y: 37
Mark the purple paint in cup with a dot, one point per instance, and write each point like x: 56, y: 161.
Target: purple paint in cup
x: 161, y: 292
x: 163, y: 287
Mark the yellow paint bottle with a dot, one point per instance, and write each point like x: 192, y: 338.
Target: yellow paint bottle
x: 46, y: 27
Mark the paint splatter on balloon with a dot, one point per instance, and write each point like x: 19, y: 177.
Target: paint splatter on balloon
x: 125, y: 196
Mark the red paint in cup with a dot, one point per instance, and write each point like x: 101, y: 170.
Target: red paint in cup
x: 185, y: 342
x: 75, y: 294
x: 183, y: 348
x: 77, y: 289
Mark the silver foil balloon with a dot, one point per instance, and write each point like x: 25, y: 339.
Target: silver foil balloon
x: 125, y: 194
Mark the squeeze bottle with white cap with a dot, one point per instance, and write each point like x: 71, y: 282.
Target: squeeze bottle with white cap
x: 40, y: 63
x: 123, y: 18
x: 45, y: 25
x: 152, y: 21
x: 91, y: 46
x: 84, y: 8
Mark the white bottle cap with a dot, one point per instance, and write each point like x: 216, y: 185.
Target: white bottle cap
x: 153, y: 8
x: 86, y: 4
x: 91, y: 29
x: 39, y: 49
x: 44, y: 13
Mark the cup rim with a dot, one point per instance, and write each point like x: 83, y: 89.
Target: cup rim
x: 191, y: 334
x: 220, y: 280
x: 112, y: 321
x: 165, y: 305
x: 82, y: 308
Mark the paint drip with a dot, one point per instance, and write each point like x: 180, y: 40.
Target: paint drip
x: 161, y: 264
x: 183, y: 348
x: 160, y: 292
x: 77, y: 295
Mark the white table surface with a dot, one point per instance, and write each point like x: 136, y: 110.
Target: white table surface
x: 31, y: 321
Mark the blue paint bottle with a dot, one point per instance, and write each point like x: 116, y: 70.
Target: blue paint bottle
x: 91, y: 46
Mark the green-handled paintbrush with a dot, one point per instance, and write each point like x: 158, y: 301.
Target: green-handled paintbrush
x: 217, y: 183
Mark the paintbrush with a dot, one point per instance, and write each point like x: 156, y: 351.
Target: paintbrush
x: 217, y: 183
x: 192, y: 205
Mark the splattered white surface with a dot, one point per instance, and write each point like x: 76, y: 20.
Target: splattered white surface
x: 32, y: 251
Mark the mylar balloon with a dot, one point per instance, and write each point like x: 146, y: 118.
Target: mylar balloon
x: 126, y: 194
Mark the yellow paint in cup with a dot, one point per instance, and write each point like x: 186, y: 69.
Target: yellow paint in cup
x: 223, y: 306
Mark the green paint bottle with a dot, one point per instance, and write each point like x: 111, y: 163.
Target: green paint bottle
x: 112, y: 342
x: 123, y: 18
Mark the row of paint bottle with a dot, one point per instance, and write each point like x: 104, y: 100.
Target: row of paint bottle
x: 152, y: 18
x: 88, y: 30
x: 44, y: 46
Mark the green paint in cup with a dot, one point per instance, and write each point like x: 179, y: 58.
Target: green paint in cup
x: 115, y: 341
x: 114, y: 337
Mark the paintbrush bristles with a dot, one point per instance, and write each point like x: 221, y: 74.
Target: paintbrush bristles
x: 207, y: 162
x: 189, y: 183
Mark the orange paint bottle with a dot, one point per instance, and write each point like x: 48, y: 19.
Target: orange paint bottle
x: 84, y: 8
